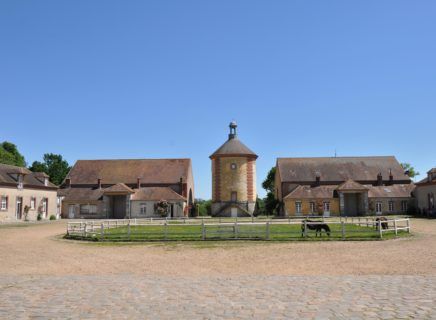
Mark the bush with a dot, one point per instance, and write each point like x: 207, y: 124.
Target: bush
x: 52, y: 217
x: 39, y: 217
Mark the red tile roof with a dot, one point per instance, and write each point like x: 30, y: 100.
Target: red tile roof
x: 156, y: 194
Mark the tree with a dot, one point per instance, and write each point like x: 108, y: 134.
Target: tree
x: 411, y: 172
x: 9, y: 154
x: 53, y: 165
x: 204, y: 207
x: 271, y: 203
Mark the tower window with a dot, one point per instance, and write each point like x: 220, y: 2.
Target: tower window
x: 233, y: 166
x: 234, y: 196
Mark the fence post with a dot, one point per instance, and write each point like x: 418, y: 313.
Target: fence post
x: 267, y: 230
x: 305, y: 228
x: 128, y: 230
x: 102, y: 231
x: 203, y: 232
x: 408, y: 225
x: 380, y: 229
x: 166, y: 231
x: 236, y: 229
x: 343, y: 230
x: 84, y: 231
x: 395, y: 227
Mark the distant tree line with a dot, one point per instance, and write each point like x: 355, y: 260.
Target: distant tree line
x: 52, y: 164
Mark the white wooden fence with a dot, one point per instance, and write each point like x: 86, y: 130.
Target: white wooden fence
x: 230, y: 229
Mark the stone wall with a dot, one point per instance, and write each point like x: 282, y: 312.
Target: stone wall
x: 290, y: 209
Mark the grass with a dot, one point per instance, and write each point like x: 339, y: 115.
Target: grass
x: 277, y: 232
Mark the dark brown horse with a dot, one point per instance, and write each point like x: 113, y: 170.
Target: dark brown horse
x: 384, y: 223
x: 315, y: 225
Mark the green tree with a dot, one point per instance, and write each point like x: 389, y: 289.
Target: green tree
x: 271, y: 203
x: 411, y: 170
x: 53, y: 165
x: 204, y: 207
x: 9, y: 154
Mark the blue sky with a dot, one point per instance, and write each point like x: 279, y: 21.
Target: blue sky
x: 157, y: 79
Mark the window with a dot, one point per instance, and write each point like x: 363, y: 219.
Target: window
x: 4, y: 203
x: 46, y: 182
x: 44, y: 206
x: 391, y: 206
x: 88, y: 209
x: 234, y: 196
x: 326, y: 206
x: 143, y: 208
x: 32, y: 203
x: 404, y: 205
x: 312, y: 207
x: 233, y: 166
x: 378, y: 207
x: 297, y: 206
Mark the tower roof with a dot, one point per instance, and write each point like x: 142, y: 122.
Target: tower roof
x: 233, y: 146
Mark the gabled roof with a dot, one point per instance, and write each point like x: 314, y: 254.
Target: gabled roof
x: 165, y: 171
x: 80, y: 194
x: 156, y: 194
x: 394, y: 191
x: 307, y: 192
x: 351, y: 185
x: 118, y: 188
x: 30, y: 179
x: 337, y: 169
x: 233, y: 147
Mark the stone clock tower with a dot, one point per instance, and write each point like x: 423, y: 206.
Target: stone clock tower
x: 233, y: 178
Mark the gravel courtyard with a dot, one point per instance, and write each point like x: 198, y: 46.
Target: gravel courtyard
x: 44, y: 276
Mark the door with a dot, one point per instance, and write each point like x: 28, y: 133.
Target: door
x: 172, y: 210
x: 234, y: 212
x: 19, y: 208
x: 326, y: 209
x: 71, y: 211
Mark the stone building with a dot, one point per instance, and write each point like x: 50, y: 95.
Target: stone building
x: 119, y: 189
x: 348, y: 186
x: 26, y: 194
x: 233, y: 178
x: 425, y: 193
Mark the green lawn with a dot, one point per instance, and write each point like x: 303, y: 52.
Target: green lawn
x: 277, y: 232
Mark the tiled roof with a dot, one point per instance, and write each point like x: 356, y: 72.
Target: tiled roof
x: 307, y: 192
x: 394, y: 191
x: 30, y: 179
x: 155, y: 171
x: 156, y: 194
x: 336, y: 169
x: 351, y: 185
x: 81, y: 194
x: 118, y: 188
x: 233, y: 147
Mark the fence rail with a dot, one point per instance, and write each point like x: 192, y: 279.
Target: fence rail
x: 230, y: 229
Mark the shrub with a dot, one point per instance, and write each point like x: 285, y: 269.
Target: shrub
x: 52, y: 217
x: 39, y: 217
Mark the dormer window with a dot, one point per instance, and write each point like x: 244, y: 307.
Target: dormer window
x: 233, y: 166
x: 46, y: 181
x: 20, y: 181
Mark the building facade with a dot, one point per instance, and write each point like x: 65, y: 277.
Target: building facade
x: 347, y: 186
x: 233, y: 178
x: 133, y: 188
x: 25, y: 194
x: 425, y: 194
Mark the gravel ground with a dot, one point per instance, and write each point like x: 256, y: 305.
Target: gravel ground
x: 38, y: 250
x: 45, y: 277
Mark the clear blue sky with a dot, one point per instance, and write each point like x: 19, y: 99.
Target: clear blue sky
x: 157, y: 79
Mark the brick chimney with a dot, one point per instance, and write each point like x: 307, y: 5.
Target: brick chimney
x: 391, y: 177
x: 68, y: 182
x: 379, y: 179
x: 99, y: 183
x: 138, y: 183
